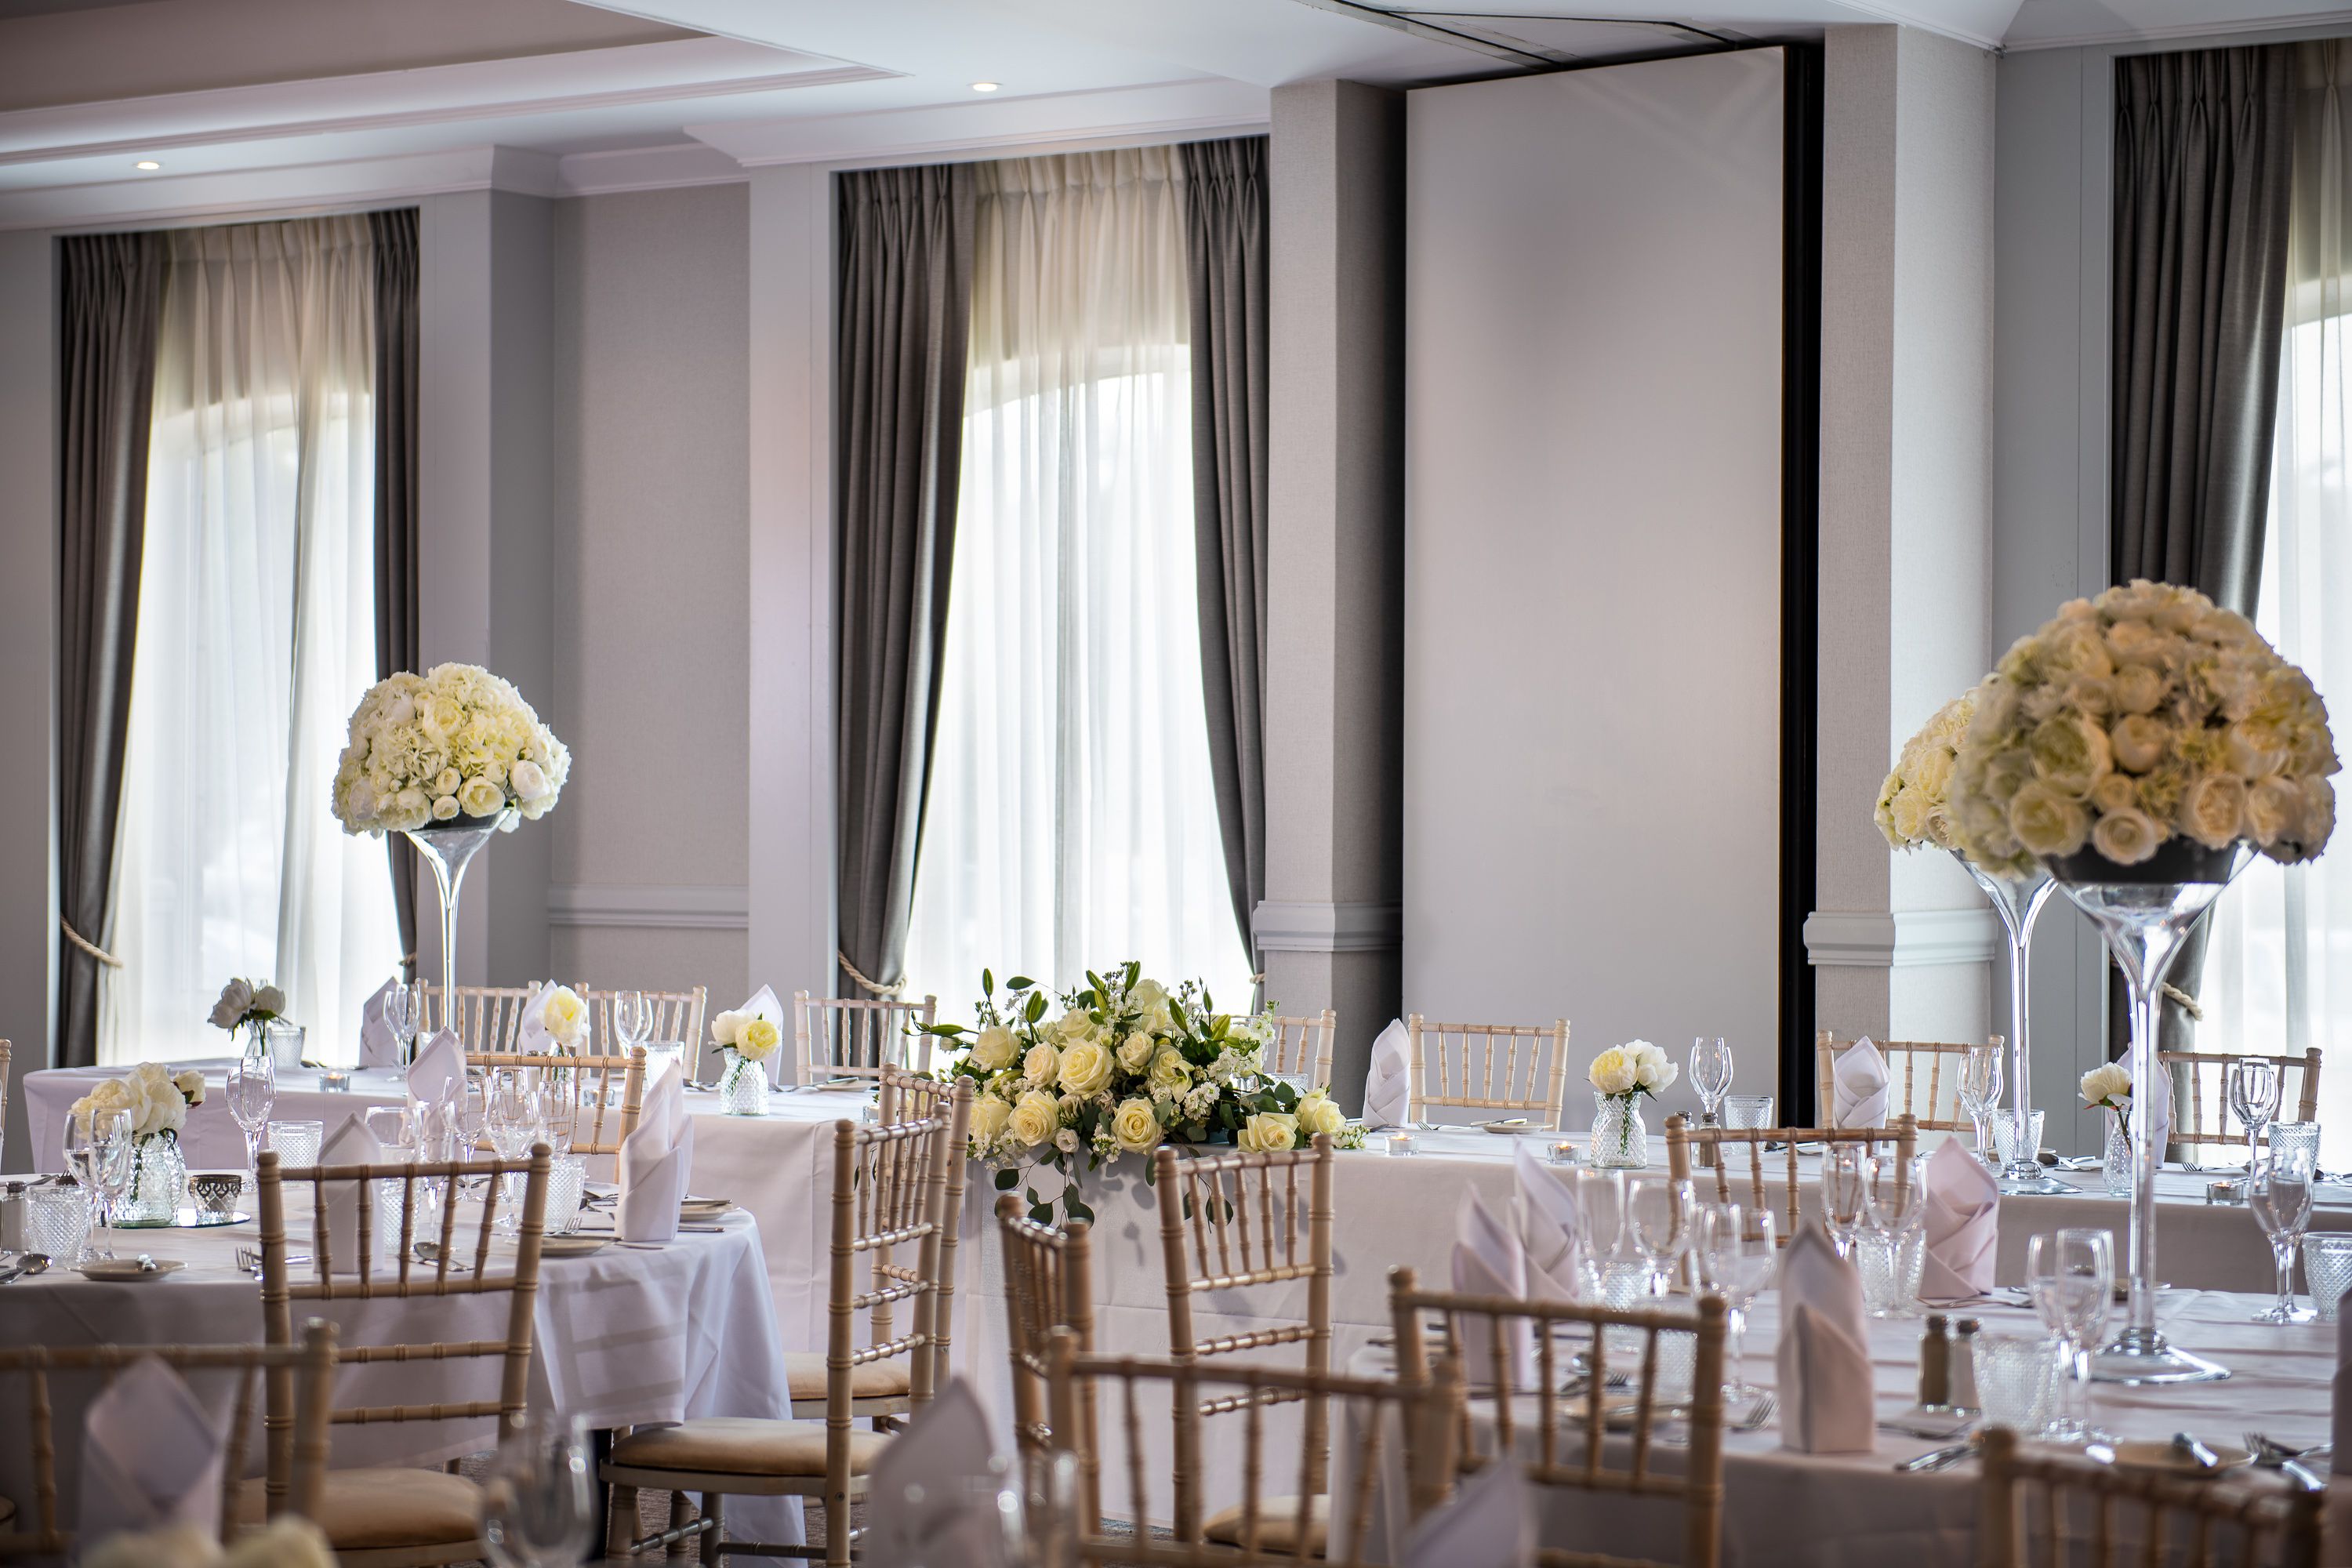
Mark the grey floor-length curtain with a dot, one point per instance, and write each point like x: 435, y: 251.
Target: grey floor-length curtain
x: 1225, y: 236
x: 2203, y: 172
x: 112, y: 301
x: 906, y: 305
x: 397, y: 327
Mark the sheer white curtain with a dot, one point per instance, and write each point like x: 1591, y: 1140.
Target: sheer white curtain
x: 257, y: 636
x: 2278, y: 971
x: 1072, y: 819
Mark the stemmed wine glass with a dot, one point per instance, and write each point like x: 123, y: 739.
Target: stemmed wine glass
x: 633, y: 1019
x: 97, y: 1153
x: 1737, y: 1253
x: 537, y: 1507
x: 403, y: 1014
x: 1710, y: 1075
x: 1845, y: 1193
x: 252, y: 1093
x: 2253, y: 1085
x: 1657, y: 1217
x: 2071, y: 1275
x: 1601, y: 1228
x: 1980, y: 1092
x: 517, y: 1118
x: 2278, y: 1191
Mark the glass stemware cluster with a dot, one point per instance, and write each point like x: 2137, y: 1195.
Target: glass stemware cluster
x: 2070, y: 1275
x: 99, y: 1155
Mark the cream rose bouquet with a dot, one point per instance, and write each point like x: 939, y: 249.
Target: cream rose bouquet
x: 2108, y: 1087
x: 745, y: 1040
x: 454, y: 742
x: 1125, y: 1066
x: 157, y: 1099
x: 2140, y: 716
x: 1915, y: 803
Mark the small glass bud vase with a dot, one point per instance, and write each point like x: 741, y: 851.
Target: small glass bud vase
x: 2116, y: 1167
x: 1621, y: 1139
x: 159, y: 1181
x: 743, y: 1086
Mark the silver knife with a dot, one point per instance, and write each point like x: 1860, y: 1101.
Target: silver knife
x: 1939, y: 1458
x: 2204, y: 1458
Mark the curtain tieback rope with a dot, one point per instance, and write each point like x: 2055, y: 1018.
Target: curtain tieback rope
x: 2187, y: 1003
x: 890, y: 992
x: 87, y: 945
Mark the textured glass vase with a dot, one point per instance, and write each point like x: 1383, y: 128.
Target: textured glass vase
x: 159, y: 1181
x: 743, y: 1086
x: 2019, y: 900
x: 1620, y: 1139
x: 449, y: 848
x: 2116, y: 1167
x: 2145, y: 913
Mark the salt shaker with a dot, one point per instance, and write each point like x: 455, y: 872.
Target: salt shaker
x: 1964, y: 1364
x: 1935, y: 1364
x: 12, y: 1216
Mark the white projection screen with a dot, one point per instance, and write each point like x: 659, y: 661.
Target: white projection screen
x: 1593, y: 557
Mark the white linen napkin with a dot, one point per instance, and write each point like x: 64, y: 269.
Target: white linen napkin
x: 1543, y: 1211
x: 1387, y: 1082
x: 378, y: 1047
x: 1489, y: 1261
x: 149, y: 1458
x: 437, y: 1076
x: 1858, y: 1087
x: 350, y: 1144
x: 1962, y: 1226
x: 657, y: 1159
x: 1821, y: 1365
x: 934, y: 1491
x: 1489, y: 1523
x: 2341, y: 1427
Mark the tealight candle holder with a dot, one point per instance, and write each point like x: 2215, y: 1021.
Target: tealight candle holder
x: 1403, y: 1144
x: 335, y: 1081
x: 1564, y: 1152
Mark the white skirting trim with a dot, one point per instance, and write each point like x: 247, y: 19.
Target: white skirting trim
x: 659, y: 908
x: 1903, y: 939
x: 1327, y: 928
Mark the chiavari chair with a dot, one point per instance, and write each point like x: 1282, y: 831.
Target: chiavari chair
x: 486, y: 1017
x: 1407, y: 1417
x: 390, y: 1517
x: 1488, y: 1066
x: 890, y: 1191
x: 1933, y: 1105
x: 677, y: 1017
x: 1258, y: 1222
x: 1901, y: 1135
x: 309, y: 1364
x: 2045, y: 1511
x: 1048, y: 1285
x: 597, y: 1108
x: 1301, y: 1047
x: 1565, y: 1441
x: 2208, y: 1120
x: 843, y: 1037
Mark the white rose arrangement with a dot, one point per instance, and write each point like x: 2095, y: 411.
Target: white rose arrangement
x: 564, y: 1016
x: 1126, y: 1066
x: 244, y: 1002
x: 2143, y: 715
x: 1635, y: 1068
x: 2109, y: 1087
x: 156, y: 1100
x: 1915, y: 803
x: 454, y: 742
x: 745, y: 1040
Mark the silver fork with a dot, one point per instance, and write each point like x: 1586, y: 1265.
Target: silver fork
x: 1766, y: 1403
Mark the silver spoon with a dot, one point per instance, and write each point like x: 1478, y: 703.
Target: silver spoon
x: 30, y: 1263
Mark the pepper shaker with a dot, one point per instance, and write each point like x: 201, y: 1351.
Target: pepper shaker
x: 1964, y: 1364
x: 1935, y: 1364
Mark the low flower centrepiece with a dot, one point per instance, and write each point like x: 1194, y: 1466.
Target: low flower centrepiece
x: 2108, y: 1087
x: 1126, y: 1066
x: 1620, y: 1076
x: 157, y: 1103
x: 746, y: 1040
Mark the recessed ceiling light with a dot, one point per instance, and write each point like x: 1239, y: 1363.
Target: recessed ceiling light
x: 147, y: 163
x: 985, y: 85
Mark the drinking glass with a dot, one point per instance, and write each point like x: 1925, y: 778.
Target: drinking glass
x: 394, y: 1128
x: 1892, y: 1248
x: 2070, y: 1276
x: 97, y: 1153
x: 403, y: 1013
x: 1657, y: 1217
x: 538, y: 1506
x: 567, y: 1184
x: 2327, y: 1270
x: 56, y: 1222
x: 517, y: 1120
x: 2016, y: 1145
x: 285, y: 1042
x: 252, y: 1092
x: 2016, y: 1381
x: 1710, y: 1075
x: 298, y: 1143
x: 1601, y: 1217
x: 633, y: 1020
x: 2297, y: 1137
x: 1747, y: 1110
x: 1736, y: 1252
x: 1844, y: 1194
x: 1981, y: 1090
x: 2252, y: 1085
x: 2279, y: 1193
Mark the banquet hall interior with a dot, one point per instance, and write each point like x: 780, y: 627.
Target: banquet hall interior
x: 1095, y: 782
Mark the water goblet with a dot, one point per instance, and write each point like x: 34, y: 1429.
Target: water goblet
x: 633, y: 1020
x: 2279, y: 1193
x: 517, y: 1118
x: 1601, y: 1219
x: 1657, y: 1217
x: 252, y: 1092
x: 2016, y: 1379
x: 2070, y: 1276
x: 1844, y: 1194
x: 1710, y: 1075
x: 537, y: 1499
x: 2252, y: 1085
x: 403, y: 1014
x: 1737, y: 1253
x: 97, y: 1153
x: 1980, y: 1090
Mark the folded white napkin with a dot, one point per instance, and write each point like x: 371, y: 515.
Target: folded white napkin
x: 1489, y: 1523
x: 350, y: 1144
x: 657, y: 1159
x: 1388, y: 1083
x: 1962, y: 1226
x: 934, y: 1491
x: 1543, y: 1211
x: 1489, y: 1261
x: 2160, y: 1092
x: 1821, y: 1365
x: 378, y: 1047
x: 149, y: 1457
x: 438, y: 1074
x: 1858, y: 1087
x: 2341, y: 1430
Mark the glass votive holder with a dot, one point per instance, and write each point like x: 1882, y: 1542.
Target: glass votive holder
x: 2017, y: 1381
x: 1890, y: 1267
x: 2327, y: 1269
x: 1747, y: 1110
x: 2007, y: 1146
x: 335, y: 1081
x: 1564, y: 1152
x: 296, y: 1143
x: 1403, y: 1144
x: 2297, y: 1139
x: 56, y: 1222
x: 567, y: 1178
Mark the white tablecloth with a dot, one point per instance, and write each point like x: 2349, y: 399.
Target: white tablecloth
x: 211, y: 1141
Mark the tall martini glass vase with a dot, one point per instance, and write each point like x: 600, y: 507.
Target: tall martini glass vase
x: 2019, y: 900
x: 2145, y: 913
x: 449, y: 848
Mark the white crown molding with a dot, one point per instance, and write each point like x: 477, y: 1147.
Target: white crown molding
x: 1906, y: 939
x: 983, y: 128
x: 1327, y: 928
x: 2317, y: 24
x: 346, y: 184
x: 646, y: 169
x: 678, y: 907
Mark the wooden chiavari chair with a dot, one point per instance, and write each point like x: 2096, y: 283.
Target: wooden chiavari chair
x: 1479, y: 1066
x: 1901, y: 1134
x: 1934, y: 1106
x: 2100, y: 1516
x: 843, y: 1037
x: 2199, y: 1067
x: 390, y: 1517
x: 1565, y: 1443
x: 677, y: 1017
x: 1251, y: 1227
x: 1048, y: 1285
x: 1301, y: 1047
x: 488, y: 1017
x: 311, y: 1365
x: 600, y: 1108
x: 890, y: 1191
x: 1413, y: 1415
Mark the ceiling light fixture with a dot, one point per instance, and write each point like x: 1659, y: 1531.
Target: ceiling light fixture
x: 149, y: 164
x: 985, y: 85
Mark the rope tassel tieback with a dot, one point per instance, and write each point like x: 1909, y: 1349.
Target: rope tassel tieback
x: 889, y: 993
x: 87, y: 945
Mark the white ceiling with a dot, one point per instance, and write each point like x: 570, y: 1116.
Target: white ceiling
x: 252, y: 103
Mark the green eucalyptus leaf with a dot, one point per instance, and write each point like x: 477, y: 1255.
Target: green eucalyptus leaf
x: 1007, y: 1179
x: 1019, y: 983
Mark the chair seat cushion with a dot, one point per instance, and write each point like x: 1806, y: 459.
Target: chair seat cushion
x: 867, y: 1380
x: 373, y: 1509
x: 1277, y: 1525
x: 743, y: 1445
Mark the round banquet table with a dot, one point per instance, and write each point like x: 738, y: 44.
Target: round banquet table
x: 625, y: 1336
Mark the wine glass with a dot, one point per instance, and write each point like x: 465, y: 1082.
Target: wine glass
x: 1710, y: 1075
x: 2253, y: 1085
x: 1736, y: 1251
x: 97, y: 1153
x: 633, y: 1019
x: 517, y: 1120
x: 2278, y: 1191
x: 2070, y: 1276
x: 1980, y: 1092
x: 403, y: 1014
x: 252, y: 1092
x: 1657, y: 1217
x: 1846, y: 1190
x: 537, y: 1507
x: 1601, y: 1221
